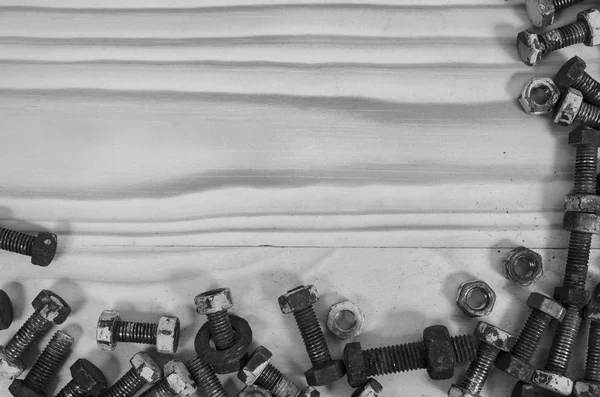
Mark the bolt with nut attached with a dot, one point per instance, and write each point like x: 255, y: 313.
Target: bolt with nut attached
x: 40, y: 248
x: 178, y: 382
x: 86, y: 380
x: 144, y: 371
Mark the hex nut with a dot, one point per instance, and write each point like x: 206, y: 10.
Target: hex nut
x: 167, y: 335
x: 462, y: 297
x: 515, y: 367
x: 571, y: 296
x: 529, y: 47
x: 546, y: 305
x: 106, y: 329
x: 253, y: 391
x: 6, y: 311
x: 439, y: 352
x: 88, y: 377
x: 492, y: 335
x: 213, y: 301
x: 256, y: 364
x: 355, y: 365
x: 540, y: 12
x: 179, y: 379
x: 568, y: 107
x: 51, y: 306
x: 10, y: 369
x: 511, y: 261
x: 528, y: 101
x: 43, y: 249
x: 589, y: 203
x: 570, y: 73
x: 586, y: 388
x: 581, y: 222
x: 552, y: 382
x: 371, y: 389
x: 298, y: 298
x: 309, y: 392
x: 325, y: 373
x: 18, y: 388
x: 592, y: 18
x: 146, y: 367
x: 336, y: 329
x: 457, y: 391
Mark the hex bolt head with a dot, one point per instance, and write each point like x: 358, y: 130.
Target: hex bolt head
x: 43, y: 249
x: 88, y: 377
x: 298, y: 299
x: 106, y: 330
x: 214, y: 301
x: 570, y: 73
x: 540, y: 12
x: 51, y: 306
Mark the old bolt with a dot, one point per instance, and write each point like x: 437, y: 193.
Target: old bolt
x: 40, y: 248
x: 86, y: 380
x: 572, y: 108
x: 178, y: 382
x: 144, y: 370
x: 573, y: 75
x: 207, y: 381
x: 214, y: 305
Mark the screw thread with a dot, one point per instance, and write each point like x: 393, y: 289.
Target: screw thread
x: 126, y: 386
x: 586, y: 164
x: 312, y: 335
x: 277, y: 383
x: 160, y: 389
x: 72, y: 389
x: 592, y: 362
x: 480, y: 368
x: 565, y: 36
x: 578, y: 256
x: 221, y: 329
x: 397, y: 358
x: 464, y: 348
x: 145, y: 333
x: 588, y: 115
x: 49, y: 361
x: 33, y: 329
x: 531, y: 335
x: 13, y: 241
x: 564, y: 340
x: 206, y: 379
x: 560, y: 5
x: 590, y: 88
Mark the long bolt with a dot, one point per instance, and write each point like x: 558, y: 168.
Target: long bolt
x: 40, y: 248
x: 215, y: 304
x: 208, y: 383
x: 49, y: 361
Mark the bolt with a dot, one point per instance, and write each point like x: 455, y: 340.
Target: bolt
x: 86, y: 380
x: 144, y: 371
x: 214, y: 305
x: 177, y: 382
x: 571, y: 108
x: 40, y: 248
x: 111, y: 329
x: 573, y: 74
x: 542, y: 12
x: 300, y: 301
x: 590, y: 385
x: 493, y: 340
x: 362, y: 364
x: 206, y: 378
x: 44, y: 368
x: 49, y: 309
x: 532, y: 47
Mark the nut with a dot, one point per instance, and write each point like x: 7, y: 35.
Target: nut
x: 439, y: 351
x: 18, y: 388
x: 592, y: 311
x: 515, y: 367
x: 568, y: 107
x: 51, y: 306
x: 517, y: 256
x: 336, y: 329
x: 309, y: 392
x: 546, y: 305
x: 462, y: 296
x: 529, y: 103
x: 253, y: 391
x: 589, y: 203
x: 571, y: 296
x: 592, y: 18
x: 541, y: 12
x: 146, y: 367
x: 325, y: 373
x: 256, y: 364
x: 214, y: 301
x: 167, y: 335
x: 355, y: 364
x: 581, y: 222
x: 6, y: 311
x: 525, y: 390
x: 371, y: 389
x: 43, y: 249
x: 298, y: 298
x: 10, y: 369
x: 552, y: 382
x: 457, y: 391
x: 570, y: 73
x: 530, y: 48
x: 88, y: 377
x: 584, y: 136
x: 179, y: 379
x: 494, y: 336
x: 106, y: 328
x: 586, y: 388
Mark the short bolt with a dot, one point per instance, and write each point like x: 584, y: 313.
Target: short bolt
x: 40, y: 248
x: 215, y: 305
x: 144, y: 371
x: 573, y: 75
x: 205, y: 377
x: 111, y: 329
x: 86, y: 380
x: 300, y: 301
x: 45, y: 366
x: 178, y: 382
x: 542, y: 12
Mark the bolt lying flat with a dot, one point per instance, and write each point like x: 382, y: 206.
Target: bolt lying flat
x: 40, y: 248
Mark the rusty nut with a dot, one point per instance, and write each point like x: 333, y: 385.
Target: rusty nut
x: 340, y: 309
x: 462, y: 298
x: 521, y: 255
x: 529, y: 102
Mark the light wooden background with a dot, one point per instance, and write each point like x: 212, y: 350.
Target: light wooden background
x: 371, y: 147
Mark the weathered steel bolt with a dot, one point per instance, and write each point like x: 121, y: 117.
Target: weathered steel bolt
x: 214, y: 305
x: 300, y: 301
x: 572, y: 109
x: 178, y: 382
x: 44, y: 368
x: 532, y: 47
x: 542, y: 12
x: 493, y: 340
x: 86, y: 380
x: 206, y: 379
x: 40, y: 248
x: 144, y: 371
x: 438, y: 353
x: 50, y: 309
x: 573, y: 75
x: 518, y: 362
x: 590, y: 385
x: 111, y: 329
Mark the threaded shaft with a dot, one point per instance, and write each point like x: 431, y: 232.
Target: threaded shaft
x: 127, y: 331
x: 564, y: 340
x: 13, y: 241
x: 592, y: 362
x: 590, y: 88
x: 277, y: 383
x: 206, y: 379
x: 565, y: 36
x: 160, y: 389
x: 588, y: 115
x: 560, y: 5
x: 578, y: 256
x: 480, y: 368
x: 586, y: 164
x: 127, y: 386
x: 312, y: 335
x: 34, y: 328
x: 531, y: 335
x: 221, y: 330
x: 72, y: 389
x: 464, y: 348
x: 49, y: 361
x: 397, y: 358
